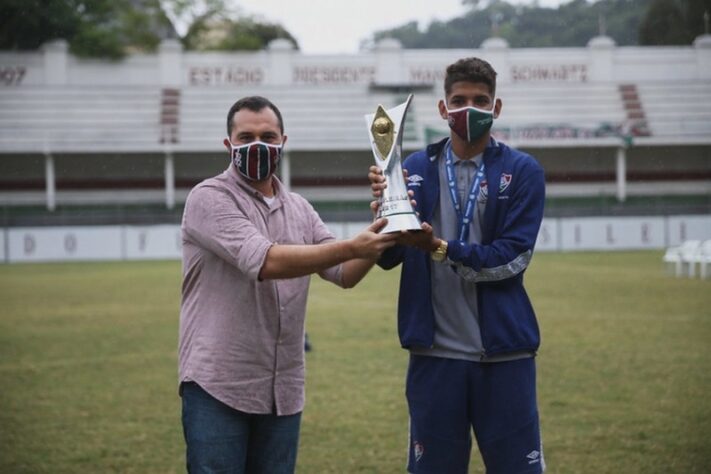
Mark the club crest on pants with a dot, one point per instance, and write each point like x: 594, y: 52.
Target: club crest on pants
x: 418, y: 450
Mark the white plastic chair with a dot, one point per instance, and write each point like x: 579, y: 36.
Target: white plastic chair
x: 682, y: 256
x: 703, y: 258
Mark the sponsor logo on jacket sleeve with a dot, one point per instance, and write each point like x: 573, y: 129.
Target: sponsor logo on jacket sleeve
x: 415, y: 180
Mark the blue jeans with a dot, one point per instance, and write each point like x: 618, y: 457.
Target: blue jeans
x: 220, y: 439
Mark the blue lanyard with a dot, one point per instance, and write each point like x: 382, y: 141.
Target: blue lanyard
x: 466, y: 218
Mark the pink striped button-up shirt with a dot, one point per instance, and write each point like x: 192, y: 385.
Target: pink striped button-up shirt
x: 242, y: 339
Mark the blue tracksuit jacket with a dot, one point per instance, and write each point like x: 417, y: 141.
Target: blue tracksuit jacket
x: 512, y: 218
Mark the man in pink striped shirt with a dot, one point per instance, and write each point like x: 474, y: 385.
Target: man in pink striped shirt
x: 249, y: 247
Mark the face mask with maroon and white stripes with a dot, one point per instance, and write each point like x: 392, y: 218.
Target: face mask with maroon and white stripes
x: 470, y: 123
x: 256, y: 160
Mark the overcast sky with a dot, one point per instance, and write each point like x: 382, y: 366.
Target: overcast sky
x: 339, y: 26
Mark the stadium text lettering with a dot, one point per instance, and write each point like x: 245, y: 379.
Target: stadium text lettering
x: 12, y: 75
x: 550, y: 73
x: 333, y: 75
x: 421, y: 75
x: 221, y: 76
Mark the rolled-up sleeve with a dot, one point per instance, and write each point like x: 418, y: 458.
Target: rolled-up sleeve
x: 216, y: 223
x: 321, y: 234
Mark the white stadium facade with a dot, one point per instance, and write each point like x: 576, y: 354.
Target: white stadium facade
x: 97, y: 157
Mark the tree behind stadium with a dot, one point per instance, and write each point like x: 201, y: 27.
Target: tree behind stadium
x: 573, y: 23
x: 114, y: 28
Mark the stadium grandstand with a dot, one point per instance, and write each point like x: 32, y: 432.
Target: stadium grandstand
x: 619, y: 130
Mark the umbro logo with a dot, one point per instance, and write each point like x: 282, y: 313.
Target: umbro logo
x: 415, y: 180
x: 534, y: 457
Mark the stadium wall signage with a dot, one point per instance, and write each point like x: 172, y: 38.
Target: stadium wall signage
x: 225, y: 76
x: 12, y: 75
x: 315, y: 75
x: 388, y: 63
x: 549, y: 73
x: 163, y: 242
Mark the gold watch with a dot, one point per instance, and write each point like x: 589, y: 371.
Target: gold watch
x: 440, y: 253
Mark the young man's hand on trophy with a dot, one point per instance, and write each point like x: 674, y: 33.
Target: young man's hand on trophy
x: 423, y: 238
x: 378, y: 183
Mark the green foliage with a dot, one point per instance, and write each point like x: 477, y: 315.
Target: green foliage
x: 114, y: 28
x: 663, y: 24
x: 27, y: 24
x: 88, y: 353
x: 93, y: 28
x: 628, y: 22
x: 671, y: 22
x: 694, y: 11
x: 225, y: 34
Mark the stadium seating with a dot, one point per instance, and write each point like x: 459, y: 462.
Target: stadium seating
x: 106, y: 119
x: 131, y: 118
x: 317, y: 118
x: 79, y: 119
x: 142, y: 120
x: 322, y: 118
x: 578, y: 105
x: 681, y: 110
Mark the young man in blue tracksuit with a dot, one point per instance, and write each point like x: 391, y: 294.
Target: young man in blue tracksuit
x: 463, y: 312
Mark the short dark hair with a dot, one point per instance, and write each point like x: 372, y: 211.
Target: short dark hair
x: 470, y: 70
x: 255, y: 103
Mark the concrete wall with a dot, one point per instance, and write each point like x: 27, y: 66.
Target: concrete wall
x: 388, y: 63
x: 92, y: 243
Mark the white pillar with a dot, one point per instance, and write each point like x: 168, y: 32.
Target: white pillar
x: 495, y: 51
x: 55, y: 62
x: 389, y: 68
x: 702, y: 45
x: 600, y: 63
x: 50, y: 182
x: 170, y: 63
x: 169, y: 181
x: 281, y: 52
x: 285, y: 170
x: 621, y: 174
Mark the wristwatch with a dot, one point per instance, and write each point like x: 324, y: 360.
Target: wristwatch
x: 440, y: 253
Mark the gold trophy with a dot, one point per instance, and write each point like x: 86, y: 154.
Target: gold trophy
x: 386, y: 128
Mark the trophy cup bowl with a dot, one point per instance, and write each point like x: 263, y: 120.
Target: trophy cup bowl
x: 385, y: 128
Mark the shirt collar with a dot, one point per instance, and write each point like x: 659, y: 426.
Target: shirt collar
x: 475, y: 159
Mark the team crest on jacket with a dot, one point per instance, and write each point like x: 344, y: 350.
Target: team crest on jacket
x: 504, y: 183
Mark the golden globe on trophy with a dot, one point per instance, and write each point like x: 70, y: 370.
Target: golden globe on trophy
x: 386, y: 128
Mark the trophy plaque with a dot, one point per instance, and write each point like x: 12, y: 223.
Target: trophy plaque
x: 385, y: 128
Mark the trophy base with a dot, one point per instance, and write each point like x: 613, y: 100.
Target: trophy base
x: 404, y: 221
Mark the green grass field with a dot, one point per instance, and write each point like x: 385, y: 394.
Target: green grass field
x: 88, y: 368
